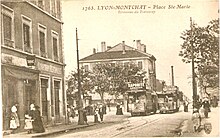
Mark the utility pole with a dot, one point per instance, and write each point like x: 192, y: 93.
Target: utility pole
x: 80, y: 109
x: 193, y: 68
x: 172, y: 74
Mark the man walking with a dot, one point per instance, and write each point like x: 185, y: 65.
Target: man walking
x: 101, y: 112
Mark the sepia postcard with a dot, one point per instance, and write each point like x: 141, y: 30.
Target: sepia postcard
x: 110, y: 68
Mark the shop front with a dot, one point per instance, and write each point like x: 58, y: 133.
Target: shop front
x: 20, y: 88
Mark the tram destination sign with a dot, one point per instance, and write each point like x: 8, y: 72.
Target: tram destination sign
x: 170, y: 88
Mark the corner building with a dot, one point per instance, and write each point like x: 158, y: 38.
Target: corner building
x: 122, y: 53
x: 32, y: 60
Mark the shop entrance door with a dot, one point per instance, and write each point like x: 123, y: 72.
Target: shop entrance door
x: 57, y: 101
x: 45, y: 109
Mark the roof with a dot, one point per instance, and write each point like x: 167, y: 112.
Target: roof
x: 118, y: 55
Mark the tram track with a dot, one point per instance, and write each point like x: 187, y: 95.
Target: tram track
x: 141, y: 125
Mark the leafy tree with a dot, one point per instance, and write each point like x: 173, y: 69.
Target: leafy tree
x: 114, y: 78
x: 205, y: 44
x: 72, y: 81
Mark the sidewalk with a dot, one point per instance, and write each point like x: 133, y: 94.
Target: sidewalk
x: 187, y: 128
x: 54, y: 130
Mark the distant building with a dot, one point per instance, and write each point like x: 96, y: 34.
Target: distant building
x: 32, y: 59
x: 122, y: 53
x: 160, y: 85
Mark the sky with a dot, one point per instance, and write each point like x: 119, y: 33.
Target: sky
x: 158, y: 24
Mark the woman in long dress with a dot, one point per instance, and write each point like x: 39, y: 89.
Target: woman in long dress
x: 37, y: 123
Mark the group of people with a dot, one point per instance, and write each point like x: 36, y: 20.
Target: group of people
x: 202, y: 108
x: 32, y: 122
x: 71, y: 113
x: 119, y: 109
x: 99, y: 112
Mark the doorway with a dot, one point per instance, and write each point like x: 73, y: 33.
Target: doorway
x: 44, y: 100
x: 57, y: 100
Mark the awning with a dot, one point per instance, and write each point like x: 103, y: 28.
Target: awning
x: 20, y: 72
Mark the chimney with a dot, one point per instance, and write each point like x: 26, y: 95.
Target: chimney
x: 103, y: 47
x: 138, y: 44
x: 145, y: 49
x: 172, y: 76
x: 94, y: 50
x: 109, y: 47
x: 123, y: 47
x: 133, y: 44
x: 142, y: 47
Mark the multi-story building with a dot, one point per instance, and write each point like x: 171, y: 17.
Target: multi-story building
x: 123, y: 53
x: 32, y: 59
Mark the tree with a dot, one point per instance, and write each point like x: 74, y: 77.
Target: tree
x: 114, y: 78
x: 86, y: 83
x: 205, y: 43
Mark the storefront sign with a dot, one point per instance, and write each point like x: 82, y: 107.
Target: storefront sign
x: 30, y: 60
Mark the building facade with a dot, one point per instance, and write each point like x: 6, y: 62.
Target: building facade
x: 122, y: 53
x: 32, y: 60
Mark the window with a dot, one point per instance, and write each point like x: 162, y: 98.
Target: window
x: 126, y: 64
x: 7, y: 26
x: 42, y: 44
x: 58, y: 9
x: 86, y: 67
x: 55, y: 46
x: 42, y: 40
x: 55, y: 52
x: 140, y: 65
x: 27, y: 40
x: 41, y: 4
x: 26, y: 35
x: 112, y: 64
x: 53, y: 7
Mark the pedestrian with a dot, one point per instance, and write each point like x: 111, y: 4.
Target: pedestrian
x: 71, y: 113
x: 37, y: 123
x: 206, y: 107
x: 196, y: 119
x: 185, y: 104
x: 101, y: 112
x: 104, y: 108
x: 85, y: 116
x: 28, y: 123
x: 118, y: 109
x: 109, y: 106
x: 14, y: 120
x: 96, y: 115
